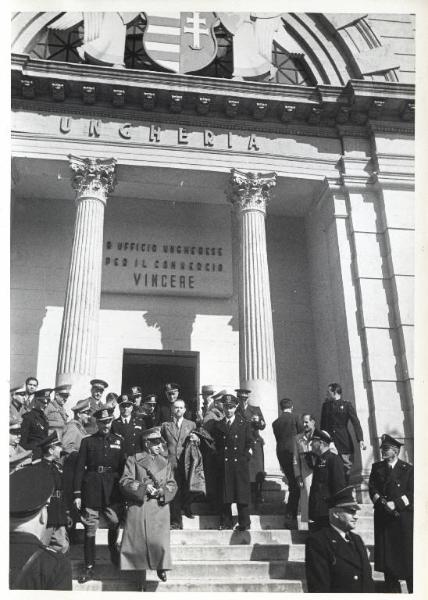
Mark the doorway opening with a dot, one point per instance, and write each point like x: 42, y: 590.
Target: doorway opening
x: 152, y: 369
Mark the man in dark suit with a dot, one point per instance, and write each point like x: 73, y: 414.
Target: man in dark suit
x: 35, y: 426
x: 234, y: 445
x: 285, y: 429
x: 335, y: 416
x: 391, y: 490
x: 336, y: 559
x: 327, y: 479
x: 129, y: 426
x: 175, y: 434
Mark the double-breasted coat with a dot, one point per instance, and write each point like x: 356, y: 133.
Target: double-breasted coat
x: 99, y: 466
x: 335, y: 416
x: 34, y: 429
x: 233, y: 453
x: 146, y: 535
x: 257, y: 460
x: 328, y: 478
x: 131, y: 433
x: 335, y: 565
x: 393, y: 552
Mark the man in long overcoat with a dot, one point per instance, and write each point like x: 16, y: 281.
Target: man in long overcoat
x: 234, y: 443
x: 391, y: 490
x: 149, y: 486
x: 129, y: 426
x: 35, y: 426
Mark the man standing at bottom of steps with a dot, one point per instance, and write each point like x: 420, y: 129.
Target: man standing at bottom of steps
x: 234, y: 443
x: 336, y: 558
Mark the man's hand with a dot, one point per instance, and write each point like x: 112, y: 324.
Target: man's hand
x: 362, y: 445
x: 151, y: 490
x: 78, y: 503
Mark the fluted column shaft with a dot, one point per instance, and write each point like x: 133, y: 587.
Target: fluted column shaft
x: 249, y: 193
x: 93, y: 179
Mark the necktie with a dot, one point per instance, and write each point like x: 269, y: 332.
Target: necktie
x: 229, y: 423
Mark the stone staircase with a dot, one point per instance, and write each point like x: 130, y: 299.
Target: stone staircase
x: 267, y: 558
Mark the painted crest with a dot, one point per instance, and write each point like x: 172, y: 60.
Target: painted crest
x: 181, y: 42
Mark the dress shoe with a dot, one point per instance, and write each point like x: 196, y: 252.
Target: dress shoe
x: 242, y: 527
x: 87, y: 575
x: 161, y: 574
x: 188, y: 513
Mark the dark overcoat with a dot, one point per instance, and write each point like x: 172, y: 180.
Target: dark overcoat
x: 327, y: 479
x: 34, y: 429
x: 72, y: 438
x: 393, y: 534
x: 57, y: 515
x: 131, y: 433
x: 146, y: 535
x: 257, y: 460
x: 99, y: 489
x: 233, y: 445
x: 335, y: 416
x: 334, y: 565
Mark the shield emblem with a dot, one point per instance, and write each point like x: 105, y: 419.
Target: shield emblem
x: 181, y: 42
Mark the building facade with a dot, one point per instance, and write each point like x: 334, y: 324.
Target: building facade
x: 217, y: 198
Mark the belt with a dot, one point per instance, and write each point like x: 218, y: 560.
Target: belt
x: 101, y: 469
x: 57, y: 494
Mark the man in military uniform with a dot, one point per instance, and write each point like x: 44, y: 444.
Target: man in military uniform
x: 35, y: 426
x: 55, y: 412
x: 391, y: 490
x: 207, y: 393
x: 327, y: 479
x: 17, y: 406
x: 99, y: 466
x: 129, y: 427
x: 336, y: 558
x: 33, y: 566
x: 254, y: 416
x: 335, y: 416
x: 234, y: 443
x: 148, y: 412
x: 58, y: 516
x: 135, y: 393
x: 98, y: 386
x: 18, y: 457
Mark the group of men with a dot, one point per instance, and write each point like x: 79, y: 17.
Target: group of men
x: 120, y: 453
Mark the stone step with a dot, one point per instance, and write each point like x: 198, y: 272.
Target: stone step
x: 225, y: 585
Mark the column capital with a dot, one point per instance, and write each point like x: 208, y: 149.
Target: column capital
x: 249, y: 190
x: 94, y: 177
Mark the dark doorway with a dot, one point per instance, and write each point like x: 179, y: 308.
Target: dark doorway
x: 151, y: 369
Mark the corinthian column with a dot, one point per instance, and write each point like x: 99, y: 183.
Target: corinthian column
x: 93, y: 180
x: 249, y: 194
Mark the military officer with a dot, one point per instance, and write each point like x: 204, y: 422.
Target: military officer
x: 18, y: 457
x: 136, y: 394
x: 17, y: 406
x: 129, y: 426
x: 391, y: 490
x: 234, y: 445
x: 55, y: 412
x: 335, y: 417
x: 98, y: 386
x: 328, y: 478
x: 335, y: 558
x: 98, y: 468
x: 58, y: 515
x: 35, y: 426
x: 33, y: 566
x: 166, y: 409
x: 207, y: 393
x: 148, y: 412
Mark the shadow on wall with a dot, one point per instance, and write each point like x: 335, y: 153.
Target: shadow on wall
x: 176, y: 333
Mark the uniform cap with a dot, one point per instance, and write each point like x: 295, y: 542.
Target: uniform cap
x: 169, y: 387
x: 63, y: 389
x: 220, y: 394
x: 135, y: 391
x: 387, y: 441
x: 320, y: 434
x: 152, y: 434
x: 345, y: 497
x: 150, y: 399
x: 125, y: 399
x: 99, y: 383
x: 104, y: 413
x: 20, y: 389
x: 243, y: 392
x: 45, y: 393
x: 29, y: 490
x: 81, y: 405
x: 230, y: 400
x: 207, y: 389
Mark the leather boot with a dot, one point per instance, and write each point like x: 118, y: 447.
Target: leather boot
x: 89, y: 557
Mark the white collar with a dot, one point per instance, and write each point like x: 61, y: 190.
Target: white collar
x: 231, y: 420
x: 392, y: 464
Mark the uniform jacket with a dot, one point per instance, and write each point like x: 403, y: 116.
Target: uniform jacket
x: 233, y: 445
x: 50, y: 571
x: 328, y: 478
x: 56, y: 416
x: 335, y: 416
x: 99, y: 489
x: 57, y: 515
x: 175, y: 438
x: 148, y: 420
x: 34, y: 429
x: 334, y: 565
x: 257, y: 460
x: 131, y: 433
x: 146, y: 535
x: 72, y: 438
x: 91, y: 425
x: 285, y: 428
x: 16, y: 410
x: 393, y: 534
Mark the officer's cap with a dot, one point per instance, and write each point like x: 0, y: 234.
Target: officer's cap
x: 104, y: 413
x: 219, y: 395
x: 386, y: 441
x: 81, y: 405
x: 135, y: 391
x: 99, y: 383
x: 63, y: 389
x: 320, y: 434
x: 243, y: 392
x: 44, y: 394
x: 230, y: 400
x: 345, y: 497
x: 152, y: 434
x: 20, y: 389
x: 150, y: 399
x: 29, y: 490
x: 170, y: 387
x: 51, y: 440
x: 207, y: 389
x: 125, y: 400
